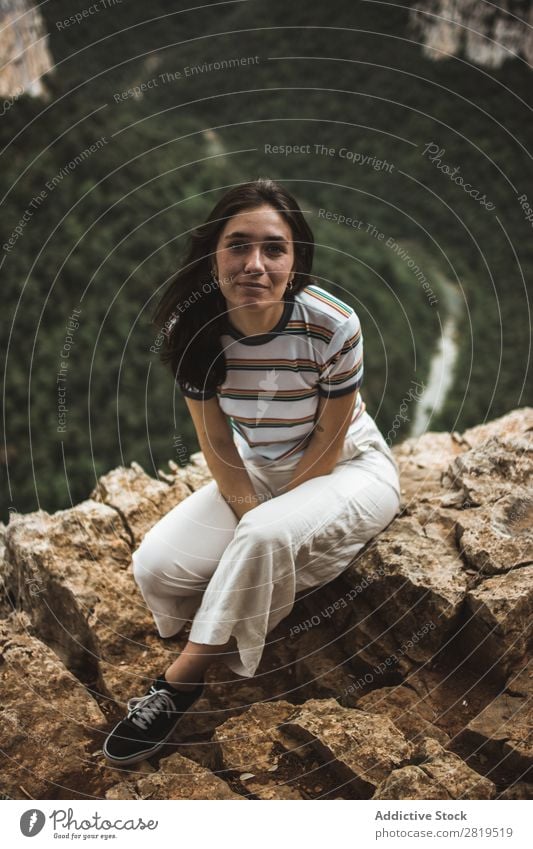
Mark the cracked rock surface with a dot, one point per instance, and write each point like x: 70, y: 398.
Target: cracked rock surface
x: 408, y: 677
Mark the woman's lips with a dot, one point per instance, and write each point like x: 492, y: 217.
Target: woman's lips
x: 252, y: 285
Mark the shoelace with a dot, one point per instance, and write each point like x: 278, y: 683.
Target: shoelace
x: 142, y: 710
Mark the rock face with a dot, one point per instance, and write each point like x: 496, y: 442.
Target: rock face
x: 24, y: 53
x: 44, y: 710
x: 487, y: 33
x: 406, y: 678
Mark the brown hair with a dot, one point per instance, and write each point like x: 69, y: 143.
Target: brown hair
x: 192, y: 311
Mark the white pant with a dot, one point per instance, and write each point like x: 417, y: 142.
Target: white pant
x: 239, y: 578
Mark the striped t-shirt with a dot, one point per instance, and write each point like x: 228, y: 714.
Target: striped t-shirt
x: 274, y: 380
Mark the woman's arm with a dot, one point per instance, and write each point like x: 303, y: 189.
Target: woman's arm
x: 324, y: 449
x: 221, y: 455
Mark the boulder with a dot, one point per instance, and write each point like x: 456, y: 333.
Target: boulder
x: 71, y: 573
x: 498, y: 622
x: 439, y: 775
x: 139, y: 499
x: 50, y: 726
x: 499, y: 536
x: 176, y: 778
x: 253, y: 747
x: 519, y: 790
x: 422, y: 461
x: 321, y: 669
x: 415, y: 583
x: 491, y: 470
x: 411, y: 714
x: 360, y: 748
x: 515, y: 426
x: 502, y: 733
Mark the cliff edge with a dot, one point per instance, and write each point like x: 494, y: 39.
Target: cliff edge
x: 406, y: 678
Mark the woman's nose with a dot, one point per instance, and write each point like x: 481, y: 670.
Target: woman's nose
x: 254, y: 259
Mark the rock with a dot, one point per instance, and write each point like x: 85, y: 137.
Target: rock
x: 514, y: 426
x: 320, y: 668
x: 422, y: 461
x: 485, y: 34
x: 360, y: 747
x: 492, y: 470
x: 411, y: 714
x: 371, y: 651
x: 139, y: 499
x: 520, y: 790
x: 48, y: 721
x: 503, y: 732
x: 176, y: 778
x: 498, y: 621
x: 441, y: 775
x: 71, y: 572
x: 253, y: 745
x: 388, y: 659
x: 416, y: 583
x: 247, y: 742
x: 498, y: 537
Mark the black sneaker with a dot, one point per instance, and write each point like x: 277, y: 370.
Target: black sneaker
x: 150, y: 722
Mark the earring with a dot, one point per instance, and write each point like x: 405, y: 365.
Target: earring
x: 289, y: 284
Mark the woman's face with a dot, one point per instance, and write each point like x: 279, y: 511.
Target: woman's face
x: 254, y: 258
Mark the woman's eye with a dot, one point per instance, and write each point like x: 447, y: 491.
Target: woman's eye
x: 271, y: 249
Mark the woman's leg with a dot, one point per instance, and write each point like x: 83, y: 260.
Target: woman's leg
x: 299, y: 539
x: 179, y: 554
x: 174, y: 564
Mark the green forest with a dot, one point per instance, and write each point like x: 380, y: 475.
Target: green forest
x: 151, y: 115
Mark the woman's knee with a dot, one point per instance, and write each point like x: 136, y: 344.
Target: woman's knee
x: 261, y: 526
x: 159, y: 574
x: 147, y: 564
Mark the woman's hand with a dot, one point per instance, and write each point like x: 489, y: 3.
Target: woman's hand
x: 221, y: 455
x: 325, y: 446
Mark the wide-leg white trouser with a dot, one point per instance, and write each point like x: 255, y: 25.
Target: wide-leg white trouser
x: 239, y: 578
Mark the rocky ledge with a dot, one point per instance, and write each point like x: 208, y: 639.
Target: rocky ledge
x: 406, y: 678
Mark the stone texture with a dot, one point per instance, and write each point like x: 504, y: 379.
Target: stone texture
x: 514, y: 426
x: 24, y: 50
x: 320, y: 668
x: 176, y: 778
x: 483, y: 33
x: 139, y: 499
x: 502, y: 732
x: 519, y: 790
x: 356, y: 687
x: 360, y: 747
x: 491, y: 470
x: 413, y: 581
x: 49, y: 724
x: 499, y: 536
x: 253, y: 745
x: 422, y: 461
x: 499, y: 619
x: 70, y: 572
x: 411, y: 714
x: 5, y: 604
x: 441, y: 775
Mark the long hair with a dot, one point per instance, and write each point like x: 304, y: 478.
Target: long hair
x: 192, y: 311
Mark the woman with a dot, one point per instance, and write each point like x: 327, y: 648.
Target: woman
x: 270, y: 365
